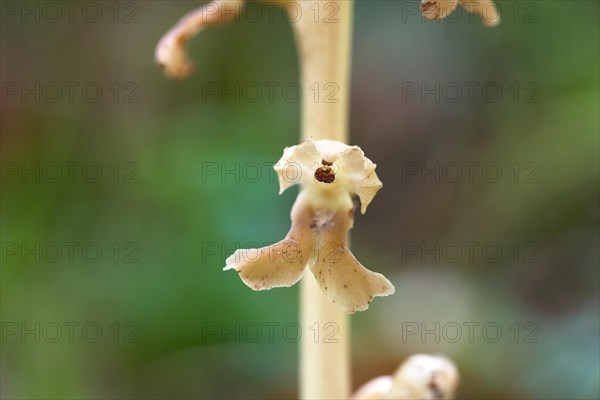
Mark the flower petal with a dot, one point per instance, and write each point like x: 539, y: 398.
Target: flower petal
x: 359, y: 171
x: 278, y: 265
x: 330, y: 150
x: 283, y: 263
x: 341, y: 277
x: 294, y: 166
x: 346, y: 282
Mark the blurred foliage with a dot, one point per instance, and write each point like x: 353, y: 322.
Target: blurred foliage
x: 175, y: 211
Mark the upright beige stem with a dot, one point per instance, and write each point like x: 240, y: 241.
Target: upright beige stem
x: 324, y: 43
x: 324, y: 36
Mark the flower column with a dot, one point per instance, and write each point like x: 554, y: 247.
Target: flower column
x: 324, y: 37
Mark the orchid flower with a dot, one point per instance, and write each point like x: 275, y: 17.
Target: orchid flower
x: 420, y: 377
x: 330, y: 173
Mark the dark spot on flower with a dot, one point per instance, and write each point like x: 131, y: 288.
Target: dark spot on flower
x: 435, y: 389
x: 313, y: 225
x: 325, y: 174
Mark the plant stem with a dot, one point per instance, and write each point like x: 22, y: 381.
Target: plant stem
x: 324, y: 43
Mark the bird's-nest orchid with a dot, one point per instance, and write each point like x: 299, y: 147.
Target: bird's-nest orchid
x: 330, y: 174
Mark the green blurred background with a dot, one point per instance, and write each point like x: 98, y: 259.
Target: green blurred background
x: 165, y: 226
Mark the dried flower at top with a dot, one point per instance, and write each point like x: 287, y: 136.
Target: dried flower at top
x: 171, y: 51
x: 440, y: 9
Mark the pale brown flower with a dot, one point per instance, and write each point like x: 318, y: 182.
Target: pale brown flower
x: 420, y: 377
x: 330, y: 174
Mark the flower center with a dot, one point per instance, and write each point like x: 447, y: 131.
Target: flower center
x: 325, y: 173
